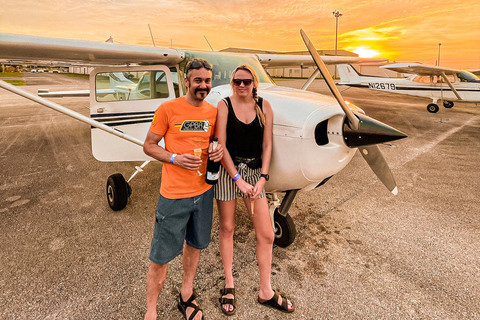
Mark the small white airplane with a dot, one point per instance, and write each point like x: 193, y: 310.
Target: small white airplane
x: 437, y: 83
x: 314, y: 136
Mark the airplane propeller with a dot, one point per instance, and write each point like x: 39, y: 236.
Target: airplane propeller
x: 361, y: 131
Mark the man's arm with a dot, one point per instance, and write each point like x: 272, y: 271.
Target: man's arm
x: 152, y: 149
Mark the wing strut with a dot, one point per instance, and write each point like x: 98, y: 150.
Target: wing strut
x: 68, y: 112
x: 444, y: 77
x: 310, y: 80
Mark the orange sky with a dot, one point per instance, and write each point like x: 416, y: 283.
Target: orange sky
x: 401, y: 30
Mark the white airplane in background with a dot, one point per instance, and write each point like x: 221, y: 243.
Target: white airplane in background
x: 314, y: 136
x: 437, y: 83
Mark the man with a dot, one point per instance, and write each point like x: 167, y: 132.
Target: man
x: 185, y: 204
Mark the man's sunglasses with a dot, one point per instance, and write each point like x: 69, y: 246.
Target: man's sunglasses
x: 246, y: 82
x: 198, y: 64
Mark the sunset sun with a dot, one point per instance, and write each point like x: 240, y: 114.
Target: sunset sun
x: 366, y: 52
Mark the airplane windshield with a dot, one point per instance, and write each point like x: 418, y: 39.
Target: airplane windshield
x: 224, y: 64
x: 466, y: 76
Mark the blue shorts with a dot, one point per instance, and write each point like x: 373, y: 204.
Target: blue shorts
x: 179, y: 220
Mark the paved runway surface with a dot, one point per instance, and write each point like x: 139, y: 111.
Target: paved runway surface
x: 360, y: 252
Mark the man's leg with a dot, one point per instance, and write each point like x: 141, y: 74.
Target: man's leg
x: 156, y: 276
x: 191, y: 257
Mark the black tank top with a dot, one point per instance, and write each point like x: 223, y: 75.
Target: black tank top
x: 244, y: 140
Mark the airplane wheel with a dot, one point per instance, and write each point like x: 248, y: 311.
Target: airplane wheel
x: 433, y: 108
x: 118, y: 192
x: 448, y: 104
x: 285, y: 231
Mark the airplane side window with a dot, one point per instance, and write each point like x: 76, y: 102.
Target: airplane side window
x: 136, y: 85
x: 422, y: 79
x: 161, y: 86
x: 175, y: 79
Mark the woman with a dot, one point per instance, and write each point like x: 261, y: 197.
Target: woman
x: 244, y: 125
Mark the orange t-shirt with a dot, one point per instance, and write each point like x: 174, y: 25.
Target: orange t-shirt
x: 179, y: 122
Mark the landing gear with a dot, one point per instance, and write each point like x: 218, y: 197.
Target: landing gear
x: 433, y: 108
x: 448, y: 104
x: 285, y: 231
x: 118, y: 191
x: 283, y: 225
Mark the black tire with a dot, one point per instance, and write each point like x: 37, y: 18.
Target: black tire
x: 117, y: 192
x: 433, y: 108
x: 285, y: 231
x: 448, y: 104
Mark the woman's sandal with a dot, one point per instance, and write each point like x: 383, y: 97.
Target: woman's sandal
x: 273, y: 303
x: 227, y: 301
x: 183, y: 305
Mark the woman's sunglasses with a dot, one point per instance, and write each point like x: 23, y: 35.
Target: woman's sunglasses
x: 246, y: 82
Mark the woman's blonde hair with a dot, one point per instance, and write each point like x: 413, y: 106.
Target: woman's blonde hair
x: 246, y: 67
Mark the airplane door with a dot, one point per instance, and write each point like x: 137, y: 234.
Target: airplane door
x: 125, y: 98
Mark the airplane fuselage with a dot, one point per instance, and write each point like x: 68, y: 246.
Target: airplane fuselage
x: 469, y: 92
x: 459, y: 85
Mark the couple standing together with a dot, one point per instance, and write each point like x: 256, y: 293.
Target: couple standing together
x: 243, y: 124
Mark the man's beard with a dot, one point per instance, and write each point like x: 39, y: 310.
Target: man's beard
x: 198, y: 90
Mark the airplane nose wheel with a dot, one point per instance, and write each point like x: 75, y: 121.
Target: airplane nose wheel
x: 433, y: 108
x: 285, y: 231
x: 118, y: 192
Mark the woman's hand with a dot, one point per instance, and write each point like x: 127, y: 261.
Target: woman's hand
x: 257, y: 190
x: 245, y: 188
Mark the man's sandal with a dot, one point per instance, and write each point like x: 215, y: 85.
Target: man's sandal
x: 273, y: 303
x: 183, y: 305
x: 227, y: 301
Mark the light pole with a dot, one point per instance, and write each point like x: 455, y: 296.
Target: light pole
x: 438, y: 61
x: 337, y: 15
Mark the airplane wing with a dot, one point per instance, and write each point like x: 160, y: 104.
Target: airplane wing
x: 420, y: 69
x: 288, y: 60
x: 21, y: 47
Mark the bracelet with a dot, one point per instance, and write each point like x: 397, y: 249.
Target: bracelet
x: 172, y: 158
x: 237, y: 176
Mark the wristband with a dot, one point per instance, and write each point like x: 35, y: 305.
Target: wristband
x: 237, y: 176
x: 172, y: 158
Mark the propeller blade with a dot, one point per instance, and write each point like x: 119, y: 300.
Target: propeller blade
x: 352, y: 119
x: 379, y: 165
x: 375, y: 130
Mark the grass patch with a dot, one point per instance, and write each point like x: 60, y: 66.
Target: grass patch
x: 15, y: 82
x: 11, y: 74
x: 77, y: 75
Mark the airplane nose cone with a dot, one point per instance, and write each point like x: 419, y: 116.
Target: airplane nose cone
x: 370, y: 132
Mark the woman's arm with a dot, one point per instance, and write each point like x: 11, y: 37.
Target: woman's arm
x: 266, y: 147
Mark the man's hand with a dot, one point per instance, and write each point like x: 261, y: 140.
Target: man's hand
x: 217, y: 154
x: 187, y: 161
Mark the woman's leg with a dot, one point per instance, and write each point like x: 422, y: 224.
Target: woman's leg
x: 264, y: 233
x: 226, y: 218
x: 265, y: 237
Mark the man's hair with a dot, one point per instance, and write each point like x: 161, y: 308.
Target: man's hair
x: 196, y: 64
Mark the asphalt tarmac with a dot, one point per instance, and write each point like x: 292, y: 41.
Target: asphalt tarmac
x: 360, y: 252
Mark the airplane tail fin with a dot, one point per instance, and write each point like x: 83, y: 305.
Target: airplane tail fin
x: 348, y: 74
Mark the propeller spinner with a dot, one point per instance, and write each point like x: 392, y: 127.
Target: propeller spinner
x: 361, y: 131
